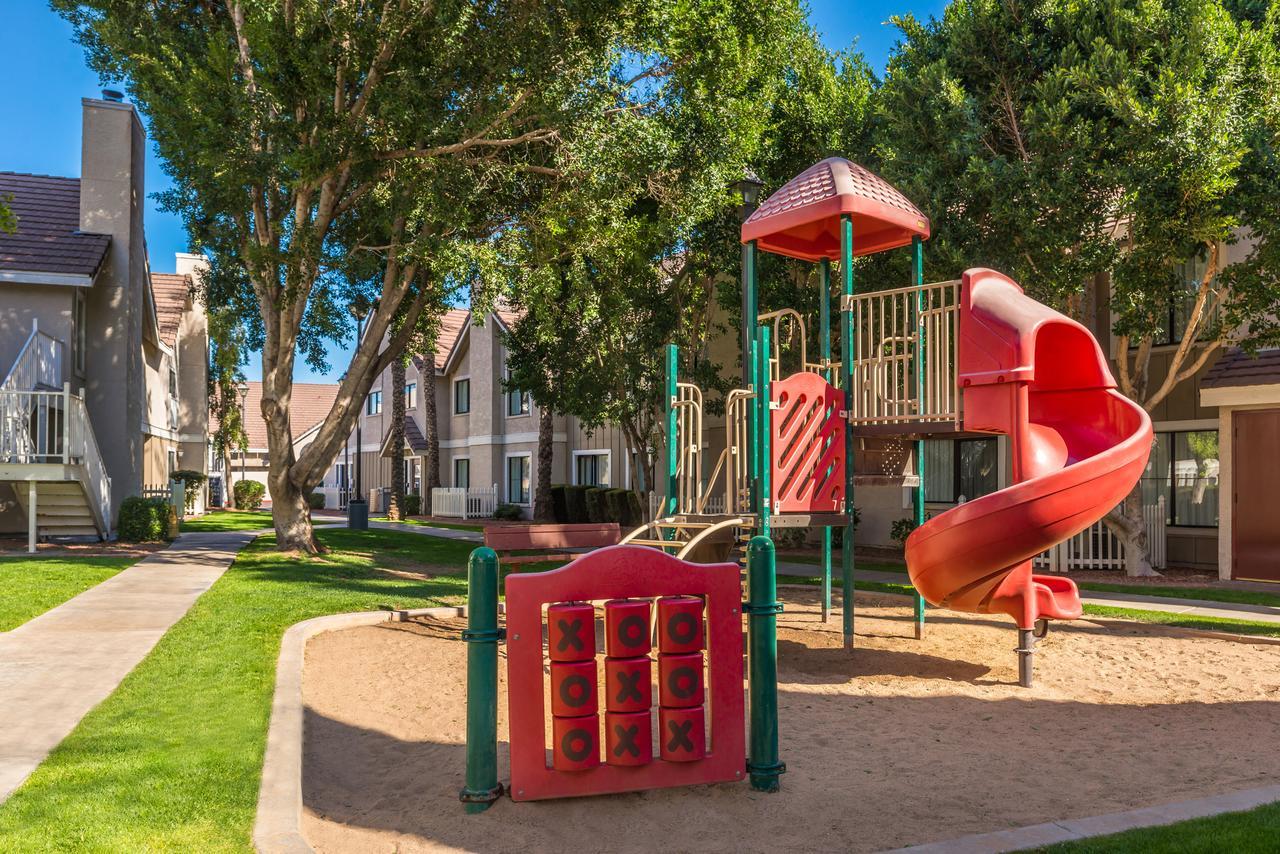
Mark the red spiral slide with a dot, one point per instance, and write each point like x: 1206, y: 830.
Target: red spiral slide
x: 1077, y: 447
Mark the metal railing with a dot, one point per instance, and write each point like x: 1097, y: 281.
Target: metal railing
x: 733, y: 464
x: 887, y: 388
x: 788, y: 336
x: 464, y: 502
x: 688, y: 438
x: 38, y: 363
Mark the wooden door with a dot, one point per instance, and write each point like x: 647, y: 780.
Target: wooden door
x: 1255, y: 516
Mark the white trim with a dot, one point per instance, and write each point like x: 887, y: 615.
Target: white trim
x: 512, y: 439
x: 607, y: 453
x: 506, y: 475
x: 1241, y: 395
x: 1186, y: 426
x: 31, y: 277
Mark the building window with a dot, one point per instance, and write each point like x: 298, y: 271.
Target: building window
x: 80, y: 335
x: 461, y: 397
x: 1182, y: 472
x: 410, y: 395
x: 517, y: 401
x: 1171, y: 322
x: 462, y: 472
x: 591, y: 468
x: 373, y: 406
x: 960, y: 469
x: 518, y: 468
x: 173, y: 462
x: 412, y: 485
x: 173, y: 382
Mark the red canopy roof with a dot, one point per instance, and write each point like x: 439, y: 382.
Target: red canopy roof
x: 802, y: 219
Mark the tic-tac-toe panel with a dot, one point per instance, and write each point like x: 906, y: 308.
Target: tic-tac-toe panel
x: 583, y: 720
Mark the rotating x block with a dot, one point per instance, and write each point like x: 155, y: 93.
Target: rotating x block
x: 602, y: 743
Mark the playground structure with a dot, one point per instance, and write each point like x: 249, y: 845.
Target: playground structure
x: 970, y: 355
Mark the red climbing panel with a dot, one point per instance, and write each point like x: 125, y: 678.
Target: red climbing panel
x: 807, y: 445
x: 702, y: 606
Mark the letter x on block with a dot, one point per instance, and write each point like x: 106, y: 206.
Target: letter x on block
x: 622, y: 572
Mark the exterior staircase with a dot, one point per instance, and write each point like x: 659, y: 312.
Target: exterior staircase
x: 48, y: 452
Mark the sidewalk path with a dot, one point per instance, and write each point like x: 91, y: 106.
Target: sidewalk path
x: 1137, y: 602
x: 56, y: 667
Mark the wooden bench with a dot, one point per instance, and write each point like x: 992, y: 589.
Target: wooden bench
x: 550, y: 542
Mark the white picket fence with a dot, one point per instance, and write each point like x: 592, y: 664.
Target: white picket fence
x: 1096, y: 547
x: 464, y: 502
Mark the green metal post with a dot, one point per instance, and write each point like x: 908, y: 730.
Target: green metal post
x: 846, y: 357
x: 917, y: 279
x: 750, y: 309
x: 673, y: 451
x: 824, y: 338
x: 764, y: 431
x: 762, y: 609
x: 482, y: 635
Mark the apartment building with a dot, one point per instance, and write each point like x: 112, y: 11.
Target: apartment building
x: 104, y: 362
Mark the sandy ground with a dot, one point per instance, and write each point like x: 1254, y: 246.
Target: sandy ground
x: 900, y: 742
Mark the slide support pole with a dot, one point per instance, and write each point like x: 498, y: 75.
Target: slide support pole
x: 824, y: 333
x: 482, y: 635
x: 762, y: 609
x: 917, y: 279
x: 673, y: 449
x: 764, y: 431
x: 1026, y: 655
x: 846, y: 356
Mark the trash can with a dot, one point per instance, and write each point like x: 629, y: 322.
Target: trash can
x: 358, y: 514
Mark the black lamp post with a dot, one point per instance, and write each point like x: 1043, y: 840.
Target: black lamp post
x: 748, y: 187
x: 357, y: 507
x: 243, y: 390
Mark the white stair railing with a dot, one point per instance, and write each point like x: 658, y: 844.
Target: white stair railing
x: 38, y: 363
x: 83, y: 449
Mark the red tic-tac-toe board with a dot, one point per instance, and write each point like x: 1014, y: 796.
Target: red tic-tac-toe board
x: 626, y: 716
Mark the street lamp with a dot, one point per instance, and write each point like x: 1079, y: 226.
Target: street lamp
x: 357, y: 507
x: 748, y: 187
x: 242, y: 389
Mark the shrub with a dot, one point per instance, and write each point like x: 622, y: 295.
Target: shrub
x: 635, y: 509
x: 411, y: 505
x: 507, y: 512
x: 615, y: 502
x: 191, y: 483
x: 143, y: 519
x: 837, y: 531
x: 790, y: 538
x: 559, y: 503
x: 902, y: 529
x: 249, y: 494
x: 597, y: 511
x: 315, y: 500
x: 575, y: 498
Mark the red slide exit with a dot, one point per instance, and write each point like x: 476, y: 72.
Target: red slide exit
x: 1077, y: 448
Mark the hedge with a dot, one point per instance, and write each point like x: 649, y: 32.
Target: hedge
x: 616, y: 504
x: 635, y: 508
x: 143, y: 519
x: 559, y: 503
x: 597, y: 510
x: 315, y: 500
x: 411, y: 505
x: 507, y: 512
x: 575, y: 498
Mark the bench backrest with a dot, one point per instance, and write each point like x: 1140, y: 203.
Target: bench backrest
x: 584, y: 536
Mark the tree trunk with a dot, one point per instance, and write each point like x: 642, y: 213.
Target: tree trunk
x: 431, y: 476
x: 397, y: 440
x: 1128, y: 524
x: 291, y: 514
x: 228, y: 494
x: 542, y: 507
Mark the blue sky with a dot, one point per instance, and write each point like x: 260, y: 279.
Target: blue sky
x: 41, y: 130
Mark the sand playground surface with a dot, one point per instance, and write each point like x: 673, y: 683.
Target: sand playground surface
x: 900, y: 742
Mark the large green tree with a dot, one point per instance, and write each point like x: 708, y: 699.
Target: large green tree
x: 1062, y: 141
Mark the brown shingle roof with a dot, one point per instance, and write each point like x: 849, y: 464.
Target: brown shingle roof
x: 311, y: 404
x: 170, y: 291
x: 1237, y: 368
x: 451, y: 326
x: 413, y: 437
x: 48, y: 239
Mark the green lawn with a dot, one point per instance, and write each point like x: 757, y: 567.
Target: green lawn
x: 1254, y: 830
x: 1212, y: 594
x: 172, y: 759
x: 1215, y: 624
x: 31, y: 586
x: 229, y: 520
x: 453, y: 526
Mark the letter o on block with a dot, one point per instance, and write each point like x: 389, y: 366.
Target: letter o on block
x: 628, y: 738
x: 680, y: 680
x: 628, y: 684
x: 682, y: 734
x: 626, y: 627
x: 573, y: 688
x: 576, y: 743
x: 571, y: 631
x: 679, y: 624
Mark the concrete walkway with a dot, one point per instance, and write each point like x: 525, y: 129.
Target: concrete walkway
x: 56, y: 667
x: 1137, y: 602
